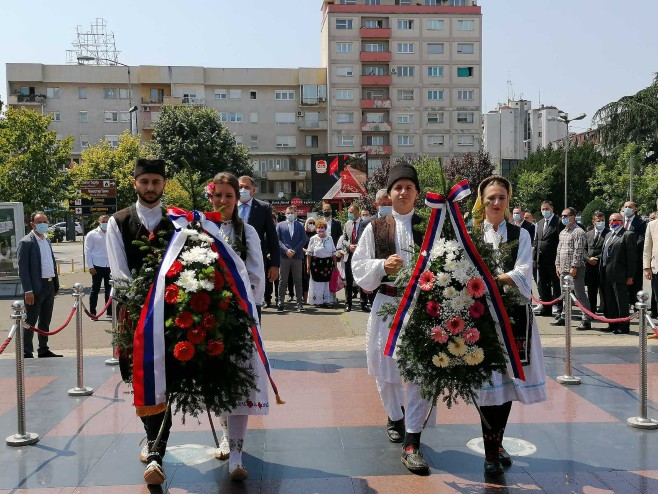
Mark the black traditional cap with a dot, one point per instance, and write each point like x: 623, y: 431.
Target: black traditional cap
x: 147, y: 165
x: 399, y: 172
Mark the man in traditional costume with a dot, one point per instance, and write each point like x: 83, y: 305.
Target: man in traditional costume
x: 386, y: 246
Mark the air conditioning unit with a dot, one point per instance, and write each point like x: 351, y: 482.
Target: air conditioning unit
x: 393, y: 71
x: 321, y: 99
x: 146, y: 108
x: 300, y: 113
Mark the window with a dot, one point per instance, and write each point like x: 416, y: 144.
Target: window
x: 113, y: 140
x: 373, y: 23
x: 435, y: 94
x: 374, y: 94
x: 372, y: 2
x: 52, y: 92
x: 157, y: 95
x: 284, y: 118
x: 124, y: 116
x: 286, y: 141
x: 465, y: 117
x: 465, y: 140
x: 433, y: 141
x: 435, y: 71
x: 435, y: 25
x: 374, y: 47
x: 347, y: 2
x: 466, y: 48
x: 403, y: 2
x: 220, y: 94
x: 312, y: 94
x: 373, y: 70
x: 465, y: 25
x: 253, y: 117
x: 405, y: 140
x: 458, y: 3
x: 311, y: 141
x: 347, y: 117
x: 83, y: 117
x: 236, y: 94
x: 82, y: 93
x: 374, y: 140
x: 405, y: 94
x: 124, y: 94
x: 405, y: 47
x: 223, y: 116
x: 344, y: 141
x: 111, y: 116
x: 284, y: 94
x: 405, y: 71
x: 345, y: 94
x: 84, y: 141
x: 253, y: 142
x: 405, y: 24
x: 435, y: 48
x: 252, y: 94
x: 430, y: 3
x: 110, y: 93
x: 374, y: 117
x: 405, y: 118
x: 343, y: 47
x: 346, y: 71
x: 464, y: 71
x: 435, y: 117
x: 343, y: 23
x: 235, y: 117
x: 465, y: 94
x: 55, y: 116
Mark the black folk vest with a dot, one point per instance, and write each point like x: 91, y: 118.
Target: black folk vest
x: 383, y: 230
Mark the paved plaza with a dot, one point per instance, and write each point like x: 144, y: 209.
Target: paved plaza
x: 329, y: 437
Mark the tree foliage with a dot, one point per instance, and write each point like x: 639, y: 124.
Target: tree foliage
x: 32, y: 161
x: 473, y: 168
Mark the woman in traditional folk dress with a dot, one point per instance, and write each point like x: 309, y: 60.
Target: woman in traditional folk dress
x: 244, y: 239
x: 496, y: 400
x: 320, y: 262
x: 309, y: 228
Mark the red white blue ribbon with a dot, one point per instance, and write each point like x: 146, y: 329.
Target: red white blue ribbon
x: 436, y: 201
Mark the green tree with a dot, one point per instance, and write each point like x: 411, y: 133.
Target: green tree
x: 32, y: 161
x: 473, y: 168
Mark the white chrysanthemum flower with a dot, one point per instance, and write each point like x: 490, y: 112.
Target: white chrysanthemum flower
x: 450, y: 265
x: 474, y: 357
x: 188, y: 282
x: 204, y: 237
x: 441, y: 360
x: 198, y: 254
x: 206, y: 285
x: 457, y: 347
x: 450, y: 292
x: 443, y: 278
x: 438, y: 249
x: 453, y: 245
x: 451, y: 256
x: 191, y: 232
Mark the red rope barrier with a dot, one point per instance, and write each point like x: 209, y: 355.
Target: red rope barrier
x: 51, y: 333
x: 602, y: 319
x: 8, y: 340
x: 540, y: 302
x: 97, y: 316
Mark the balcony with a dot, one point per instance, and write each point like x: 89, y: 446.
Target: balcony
x: 313, y: 125
x: 367, y: 104
x: 286, y: 175
x: 384, y: 150
x: 375, y: 56
x: 193, y: 101
x: 375, y: 32
x: 376, y: 126
x: 173, y: 100
x: 152, y: 102
x: 376, y: 80
x: 26, y: 99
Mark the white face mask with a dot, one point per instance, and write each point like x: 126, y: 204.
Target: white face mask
x: 245, y: 195
x: 385, y: 210
x: 517, y: 217
x: 599, y: 225
x: 311, y: 228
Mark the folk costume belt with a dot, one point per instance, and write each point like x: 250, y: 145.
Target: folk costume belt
x: 388, y: 290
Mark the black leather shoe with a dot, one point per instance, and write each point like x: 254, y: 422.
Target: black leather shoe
x: 558, y: 322
x: 48, y: 354
x: 543, y: 313
x: 365, y: 308
x: 28, y: 355
x: 280, y: 308
x: 300, y: 308
x: 621, y: 331
x: 505, y: 458
x: 584, y: 326
x: 493, y: 468
x: 413, y: 460
x: 395, y: 430
x: 268, y: 304
x: 348, y: 308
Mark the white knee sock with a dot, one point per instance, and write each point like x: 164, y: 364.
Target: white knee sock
x: 223, y: 424
x: 237, y: 430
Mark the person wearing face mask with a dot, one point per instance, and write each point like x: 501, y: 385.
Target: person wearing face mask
x: 618, y: 263
x: 38, y: 274
x: 650, y: 261
x: 633, y: 223
x: 518, y: 217
x: 383, y: 203
x: 544, y: 253
x: 309, y: 228
x: 320, y: 262
x: 99, y: 264
x: 595, y: 238
x: 333, y: 227
x: 292, y: 239
x: 347, y: 244
x: 570, y: 261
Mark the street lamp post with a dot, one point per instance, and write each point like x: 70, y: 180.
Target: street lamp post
x: 132, y: 109
x: 564, y: 117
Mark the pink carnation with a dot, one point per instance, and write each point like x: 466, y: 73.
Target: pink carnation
x: 476, y: 310
x: 433, y: 308
x: 476, y: 287
x: 471, y: 335
x: 426, y: 281
x: 455, y: 325
x: 439, y: 335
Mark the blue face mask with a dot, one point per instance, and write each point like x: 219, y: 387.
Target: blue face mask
x: 41, y: 228
x: 565, y: 221
x: 599, y: 225
x: 245, y: 195
x: 628, y: 212
x: 103, y: 226
x: 385, y: 210
x: 350, y: 216
x: 546, y: 214
x: 517, y: 217
x: 291, y: 217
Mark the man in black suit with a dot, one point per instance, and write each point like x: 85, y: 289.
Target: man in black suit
x: 518, y: 217
x: 595, y: 238
x: 347, y: 243
x: 544, y: 252
x: 634, y: 223
x: 259, y: 215
x: 618, y: 265
x: 38, y: 274
x: 333, y: 226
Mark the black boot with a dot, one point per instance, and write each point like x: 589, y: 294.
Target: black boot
x: 395, y: 430
x: 412, y: 458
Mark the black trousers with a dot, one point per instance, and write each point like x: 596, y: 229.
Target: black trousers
x: 39, y: 315
x: 349, y: 285
x: 654, y: 293
x: 102, y: 276
x: 548, y: 283
x: 593, y: 287
x: 616, y: 300
x: 496, y: 416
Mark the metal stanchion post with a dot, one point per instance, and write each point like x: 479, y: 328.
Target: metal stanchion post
x: 642, y: 422
x: 80, y: 389
x: 21, y: 438
x: 113, y: 360
x: 567, y: 287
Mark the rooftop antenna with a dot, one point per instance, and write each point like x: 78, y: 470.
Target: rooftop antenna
x: 510, y: 89
x: 95, y: 46
x: 540, y: 97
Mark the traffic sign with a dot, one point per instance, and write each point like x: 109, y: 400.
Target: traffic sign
x: 93, y: 201
x: 92, y: 210
x: 103, y: 187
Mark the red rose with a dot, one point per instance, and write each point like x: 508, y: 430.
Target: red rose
x: 176, y: 267
x: 184, y: 320
x: 196, y: 335
x: 219, y: 281
x: 171, y: 294
x: 215, y: 347
x: 208, y: 321
x: 200, y: 302
x: 225, y: 302
x: 184, y: 351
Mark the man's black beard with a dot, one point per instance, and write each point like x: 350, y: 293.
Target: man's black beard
x: 147, y: 201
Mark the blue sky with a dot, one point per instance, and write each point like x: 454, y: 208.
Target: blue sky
x: 578, y: 54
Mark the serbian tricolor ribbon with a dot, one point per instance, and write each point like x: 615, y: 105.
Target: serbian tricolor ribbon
x: 437, y: 203
x: 149, y: 379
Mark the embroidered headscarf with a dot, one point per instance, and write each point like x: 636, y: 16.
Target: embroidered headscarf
x: 478, y: 207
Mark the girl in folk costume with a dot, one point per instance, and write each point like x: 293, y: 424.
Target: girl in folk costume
x: 320, y: 263
x: 494, y: 194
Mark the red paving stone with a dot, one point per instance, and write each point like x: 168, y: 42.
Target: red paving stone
x: 8, y: 389
x: 628, y: 375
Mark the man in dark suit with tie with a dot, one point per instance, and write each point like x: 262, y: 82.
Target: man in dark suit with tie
x: 618, y: 264
x: 37, y: 271
x: 633, y: 223
x: 347, y: 244
x: 259, y: 215
x: 595, y: 238
x: 292, y: 238
x: 518, y: 217
x: 544, y: 253
x: 333, y: 227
